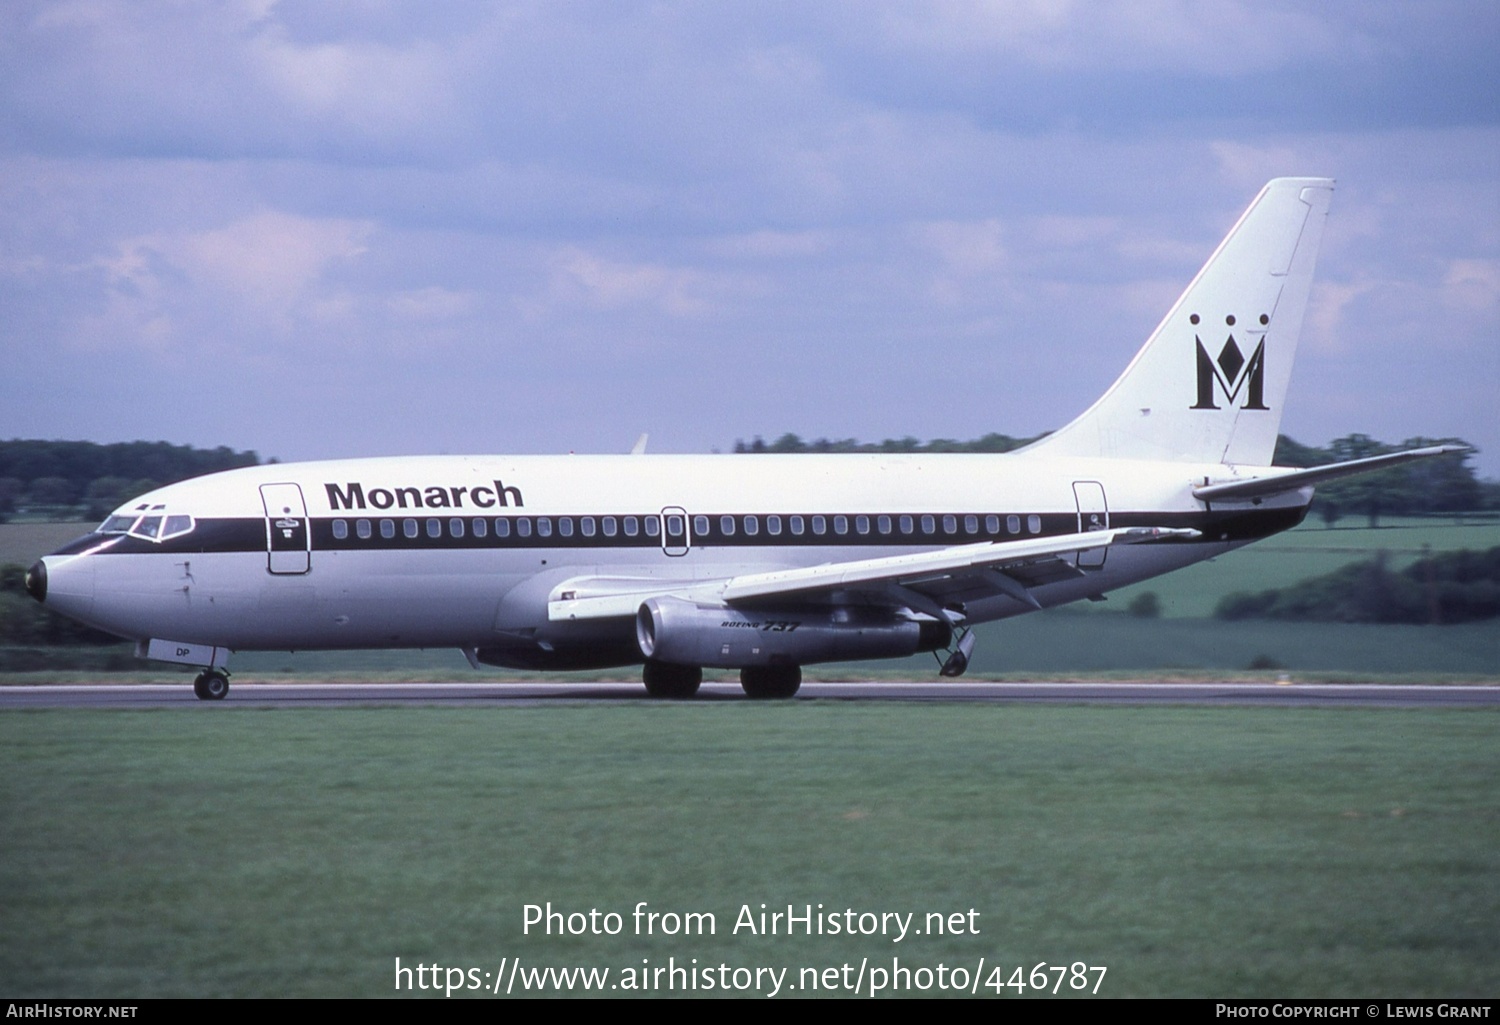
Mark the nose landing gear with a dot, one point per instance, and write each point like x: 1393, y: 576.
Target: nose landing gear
x: 211, y: 685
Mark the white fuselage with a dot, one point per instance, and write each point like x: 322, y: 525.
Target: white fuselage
x: 467, y: 551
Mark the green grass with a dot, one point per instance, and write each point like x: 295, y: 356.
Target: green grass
x: 24, y: 543
x: 1095, y: 641
x: 1308, y: 551
x: 1191, y: 851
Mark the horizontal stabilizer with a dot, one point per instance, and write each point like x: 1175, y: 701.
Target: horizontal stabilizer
x: 1264, y: 487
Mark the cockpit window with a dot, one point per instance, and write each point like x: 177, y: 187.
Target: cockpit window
x: 153, y: 527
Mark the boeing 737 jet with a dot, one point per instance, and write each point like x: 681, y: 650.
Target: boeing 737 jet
x: 758, y: 563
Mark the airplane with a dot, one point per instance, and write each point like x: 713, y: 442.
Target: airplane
x: 761, y: 563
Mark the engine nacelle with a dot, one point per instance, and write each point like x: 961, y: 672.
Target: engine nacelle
x: 686, y: 633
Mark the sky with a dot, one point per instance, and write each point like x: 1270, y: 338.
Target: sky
x: 325, y: 229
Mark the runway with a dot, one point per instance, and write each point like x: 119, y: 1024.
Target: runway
x: 314, y: 695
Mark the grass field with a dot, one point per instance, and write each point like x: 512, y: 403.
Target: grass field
x: 21, y: 544
x: 1247, y: 852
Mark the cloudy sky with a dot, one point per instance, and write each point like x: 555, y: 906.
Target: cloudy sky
x: 322, y: 229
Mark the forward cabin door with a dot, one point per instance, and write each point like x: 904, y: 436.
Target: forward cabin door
x: 1093, y: 514
x: 288, y: 540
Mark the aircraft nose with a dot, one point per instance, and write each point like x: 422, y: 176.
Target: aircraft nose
x: 36, y: 581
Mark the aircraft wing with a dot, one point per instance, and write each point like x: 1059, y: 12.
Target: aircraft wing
x: 1278, y: 484
x: 925, y: 582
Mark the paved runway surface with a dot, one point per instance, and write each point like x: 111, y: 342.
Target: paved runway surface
x: 305, y: 695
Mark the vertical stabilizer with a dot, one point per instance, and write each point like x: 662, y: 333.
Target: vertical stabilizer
x: 1209, y: 384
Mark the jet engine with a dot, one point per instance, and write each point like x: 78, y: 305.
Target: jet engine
x: 688, y: 633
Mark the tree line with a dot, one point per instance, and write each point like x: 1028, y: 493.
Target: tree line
x: 89, y: 479
x: 1433, y: 486
x: 85, y: 479
x: 1450, y: 587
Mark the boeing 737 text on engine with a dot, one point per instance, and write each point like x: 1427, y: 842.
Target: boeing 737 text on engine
x: 758, y: 563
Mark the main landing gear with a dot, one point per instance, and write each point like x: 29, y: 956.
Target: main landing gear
x: 771, y: 681
x: 666, y: 680
x: 211, y: 685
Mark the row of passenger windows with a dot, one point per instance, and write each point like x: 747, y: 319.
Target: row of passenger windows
x: 505, y: 526
x: 703, y: 526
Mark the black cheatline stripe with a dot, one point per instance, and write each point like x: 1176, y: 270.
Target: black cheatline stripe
x: 249, y: 534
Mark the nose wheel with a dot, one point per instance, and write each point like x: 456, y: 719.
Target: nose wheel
x: 211, y: 685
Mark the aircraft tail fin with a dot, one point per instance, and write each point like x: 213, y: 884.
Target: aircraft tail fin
x: 1209, y: 384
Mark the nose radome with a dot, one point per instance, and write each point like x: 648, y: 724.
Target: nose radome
x: 36, y: 581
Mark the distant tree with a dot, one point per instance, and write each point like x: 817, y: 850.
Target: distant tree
x: 53, y: 491
x: 82, y: 462
x: 1293, y: 453
x: 10, y: 490
x: 1446, y: 484
x: 1451, y: 587
x: 792, y: 443
x: 105, y: 494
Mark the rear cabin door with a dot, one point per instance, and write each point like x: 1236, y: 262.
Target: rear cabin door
x: 1093, y: 514
x: 288, y: 540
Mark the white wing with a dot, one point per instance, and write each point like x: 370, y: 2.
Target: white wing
x: 925, y: 582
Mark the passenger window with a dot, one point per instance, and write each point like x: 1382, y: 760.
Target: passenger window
x: 726, y: 526
x: 841, y: 524
x: 565, y: 526
x: 544, y: 526
x: 455, y: 527
x: 971, y: 524
x: 340, y: 529
x: 950, y: 524
x: 992, y: 524
x: 1034, y: 523
x: 862, y: 524
x: 523, y: 526
x: 653, y: 526
x: 752, y: 525
x: 906, y: 525
x: 502, y: 527
x: 387, y: 529
x: 797, y: 525
x: 700, y: 526
x: 773, y: 525
x: 1013, y: 524
x: 587, y: 526
x: 362, y: 528
x: 480, y: 527
x: 819, y: 525
x: 883, y: 524
x: 609, y: 526
x: 632, y: 526
x: 929, y: 525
